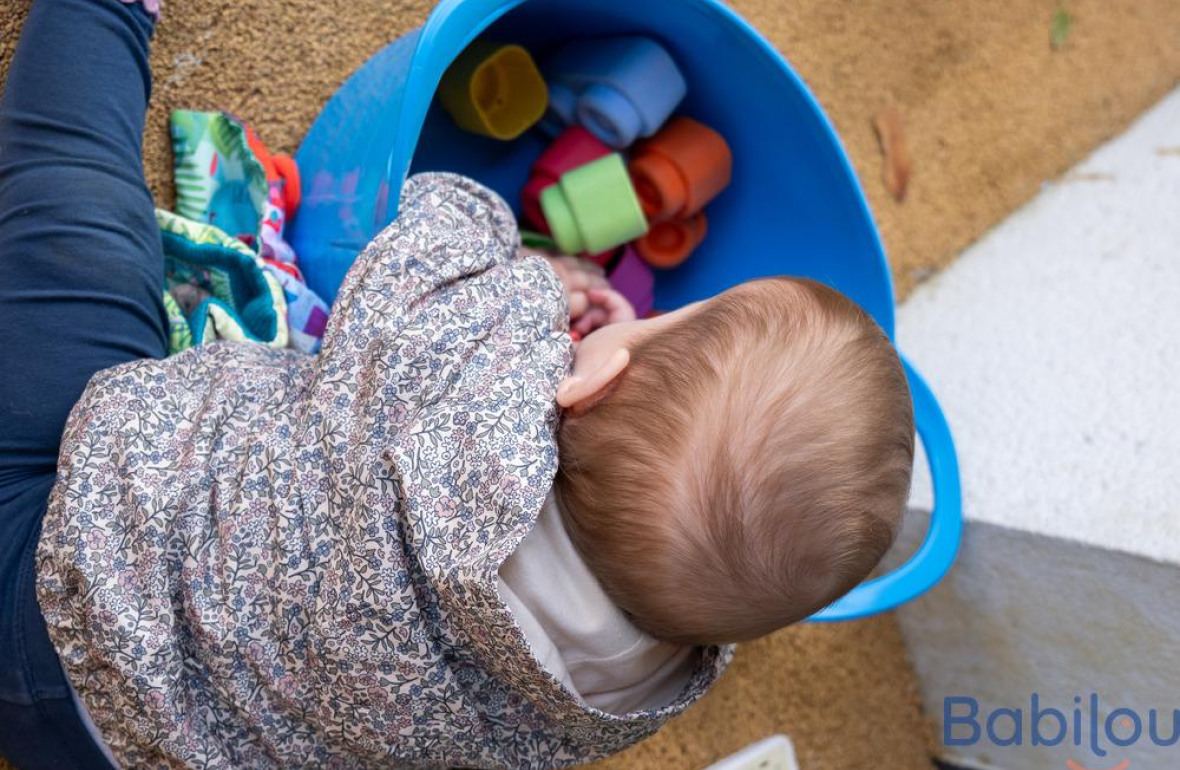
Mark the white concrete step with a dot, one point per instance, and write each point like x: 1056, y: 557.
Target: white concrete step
x: 1054, y: 347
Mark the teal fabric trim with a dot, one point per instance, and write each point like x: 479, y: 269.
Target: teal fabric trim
x: 235, y: 280
x: 198, y: 318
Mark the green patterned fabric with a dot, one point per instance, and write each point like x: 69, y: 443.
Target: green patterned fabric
x: 218, y: 178
x: 180, y: 337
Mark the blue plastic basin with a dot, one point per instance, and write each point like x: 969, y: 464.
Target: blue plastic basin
x: 794, y: 207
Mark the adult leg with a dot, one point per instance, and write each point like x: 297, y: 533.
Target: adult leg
x: 81, y: 274
x: 81, y: 267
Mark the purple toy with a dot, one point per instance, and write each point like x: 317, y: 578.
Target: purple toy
x: 634, y: 280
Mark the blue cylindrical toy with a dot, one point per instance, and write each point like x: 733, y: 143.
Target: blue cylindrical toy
x: 794, y: 207
x: 619, y: 89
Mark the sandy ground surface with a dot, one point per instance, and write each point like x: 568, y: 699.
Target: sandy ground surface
x: 990, y: 110
x: 844, y: 693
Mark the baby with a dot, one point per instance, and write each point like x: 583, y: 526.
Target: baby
x: 727, y: 469
x: 453, y: 538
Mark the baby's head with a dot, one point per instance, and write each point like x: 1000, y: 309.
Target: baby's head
x: 733, y: 467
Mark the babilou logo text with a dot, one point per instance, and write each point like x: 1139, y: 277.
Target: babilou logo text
x: 1087, y: 724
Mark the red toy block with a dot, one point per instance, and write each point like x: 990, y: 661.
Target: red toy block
x: 680, y: 169
x: 667, y: 244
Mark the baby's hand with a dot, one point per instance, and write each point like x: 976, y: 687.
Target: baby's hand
x: 606, y: 306
x: 592, y: 301
x: 578, y: 276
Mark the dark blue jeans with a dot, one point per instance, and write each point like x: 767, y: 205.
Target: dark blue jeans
x: 81, y: 273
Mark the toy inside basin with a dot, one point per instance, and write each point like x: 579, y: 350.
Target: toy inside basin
x: 794, y: 206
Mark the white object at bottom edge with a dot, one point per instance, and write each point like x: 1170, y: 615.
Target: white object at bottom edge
x: 773, y: 753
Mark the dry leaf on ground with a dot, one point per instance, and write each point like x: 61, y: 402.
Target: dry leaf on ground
x: 898, y: 165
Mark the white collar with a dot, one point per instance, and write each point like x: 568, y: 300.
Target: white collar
x: 578, y: 633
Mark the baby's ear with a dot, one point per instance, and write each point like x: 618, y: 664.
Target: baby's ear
x: 591, y: 378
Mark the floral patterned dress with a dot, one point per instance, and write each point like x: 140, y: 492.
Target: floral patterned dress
x: 257, y: 559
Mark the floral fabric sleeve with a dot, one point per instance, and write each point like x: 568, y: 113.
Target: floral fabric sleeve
x: 258, y: 559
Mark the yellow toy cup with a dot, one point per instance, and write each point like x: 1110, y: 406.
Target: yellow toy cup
x: 495, y: 90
